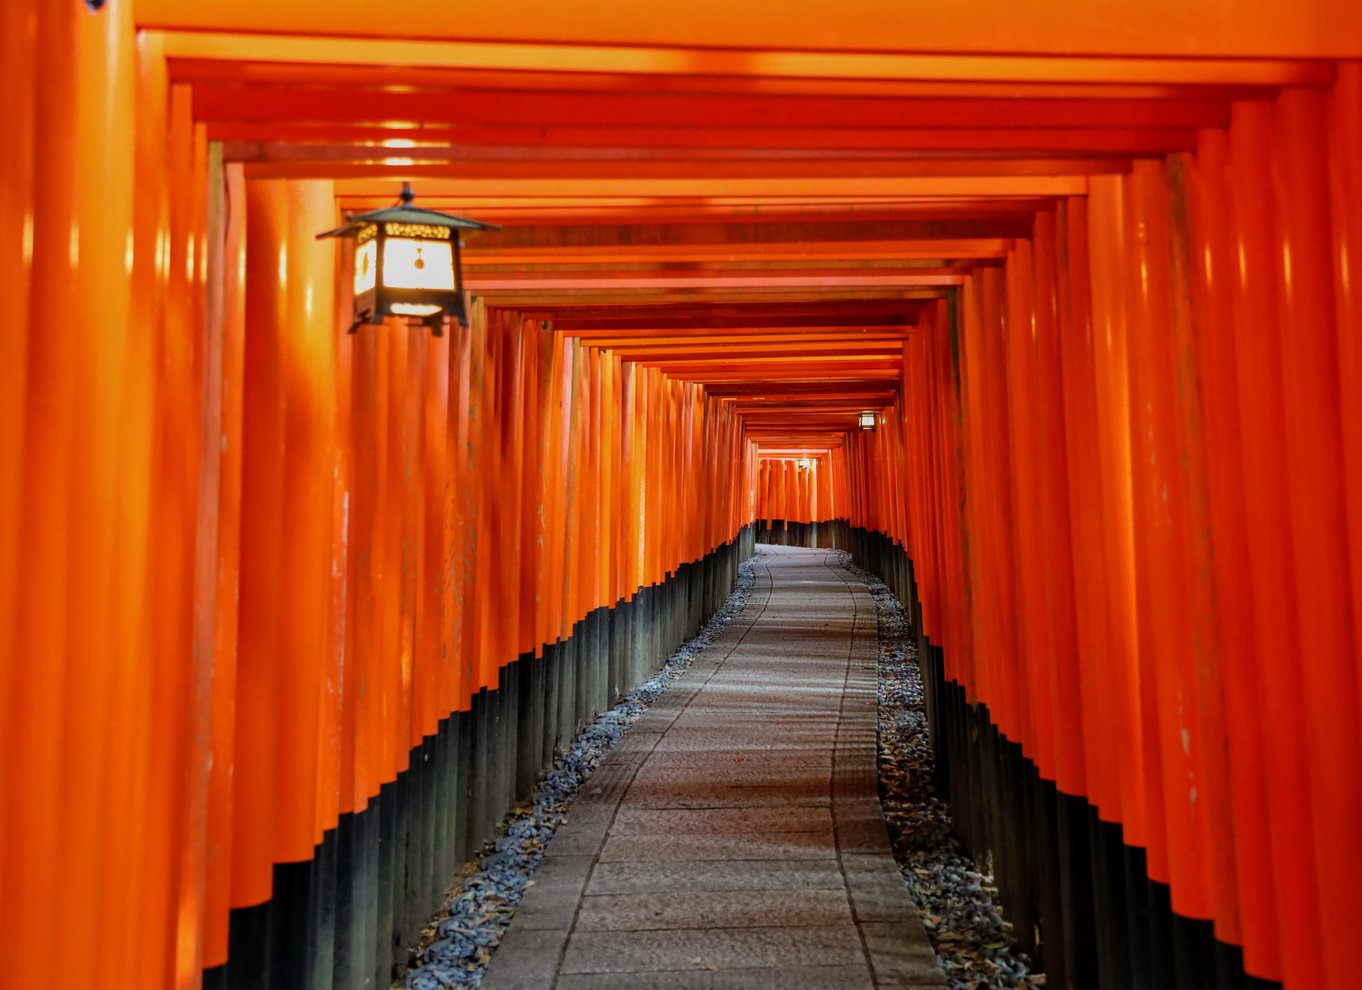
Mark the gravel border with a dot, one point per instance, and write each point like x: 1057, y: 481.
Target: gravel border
x: 456, y: 947
x: 957, y: 902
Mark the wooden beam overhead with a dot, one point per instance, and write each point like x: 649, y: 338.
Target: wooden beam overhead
x: 972, y: 38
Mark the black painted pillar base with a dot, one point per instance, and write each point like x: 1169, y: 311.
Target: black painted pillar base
x: 1079, y: 899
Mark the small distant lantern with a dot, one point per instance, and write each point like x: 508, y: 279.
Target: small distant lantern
x: 805, y: 463
x: 407, y: 263
x: 868, y: 420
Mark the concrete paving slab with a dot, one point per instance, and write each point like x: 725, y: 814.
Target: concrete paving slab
x: 698, y: 848
x: 772, y: 875
x: 876, y: 889
x: 861, y: 836
x: 607, y: 784
x: 707, y: 740
x: 896, y: 961
x: 714, y: 909
x: 746, y: 948
x: 589, y: 815
x: 735, y: 773
x: 579, y: 842
x: 702, y: 795
x: 764, y: 755
x: 734, y: 837
x: 803, y: 978
x: 634, y: 742
x: 527, y: 959
x: 877, y: 900
x: 721, y: 821
x: 558, y: 883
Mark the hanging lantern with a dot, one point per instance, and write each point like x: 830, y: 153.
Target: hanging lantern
x: 407, y: 263
x: 805, y: 463
x: 868, y: 420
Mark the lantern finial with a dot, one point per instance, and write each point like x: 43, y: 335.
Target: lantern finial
x: 406, y: 195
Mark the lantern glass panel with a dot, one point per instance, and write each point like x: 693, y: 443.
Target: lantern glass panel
x: 413, y: 309
x: 411, y: 263
x: 366, y: 266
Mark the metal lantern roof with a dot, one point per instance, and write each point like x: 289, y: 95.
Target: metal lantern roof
x: 404, y: 212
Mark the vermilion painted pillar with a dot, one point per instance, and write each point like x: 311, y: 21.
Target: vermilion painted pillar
x: 307, y: 345
x: 1326, y: 663
x: 44, y: 552
x: 1211, y: 827
x: 1251, y: 884
x: 1060, y: 646
x: 1107, y: 263
x: 1261, y: 418
x: 18, y: 54
x: 219, y: 809
x: 1034, y: 729
x: 1345, y: 197
x: 1084, y: 491
x: 139, y: 448
x: 254, y: 826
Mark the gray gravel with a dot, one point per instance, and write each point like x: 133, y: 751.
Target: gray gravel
x: 457, y: 946
x: 958, y: 903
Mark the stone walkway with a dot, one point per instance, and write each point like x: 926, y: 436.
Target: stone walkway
x: 733, y: 837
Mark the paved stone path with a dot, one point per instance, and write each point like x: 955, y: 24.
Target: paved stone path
x: 733, y: 837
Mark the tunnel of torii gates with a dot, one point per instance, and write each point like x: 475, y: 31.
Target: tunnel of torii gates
x: 291, y: 616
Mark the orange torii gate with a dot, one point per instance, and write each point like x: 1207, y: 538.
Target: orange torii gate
x: 1098, y: 276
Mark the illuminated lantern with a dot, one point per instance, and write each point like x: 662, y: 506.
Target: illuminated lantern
x: 407, y: 263
x: 868, y: 420
x: 805, y: 463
